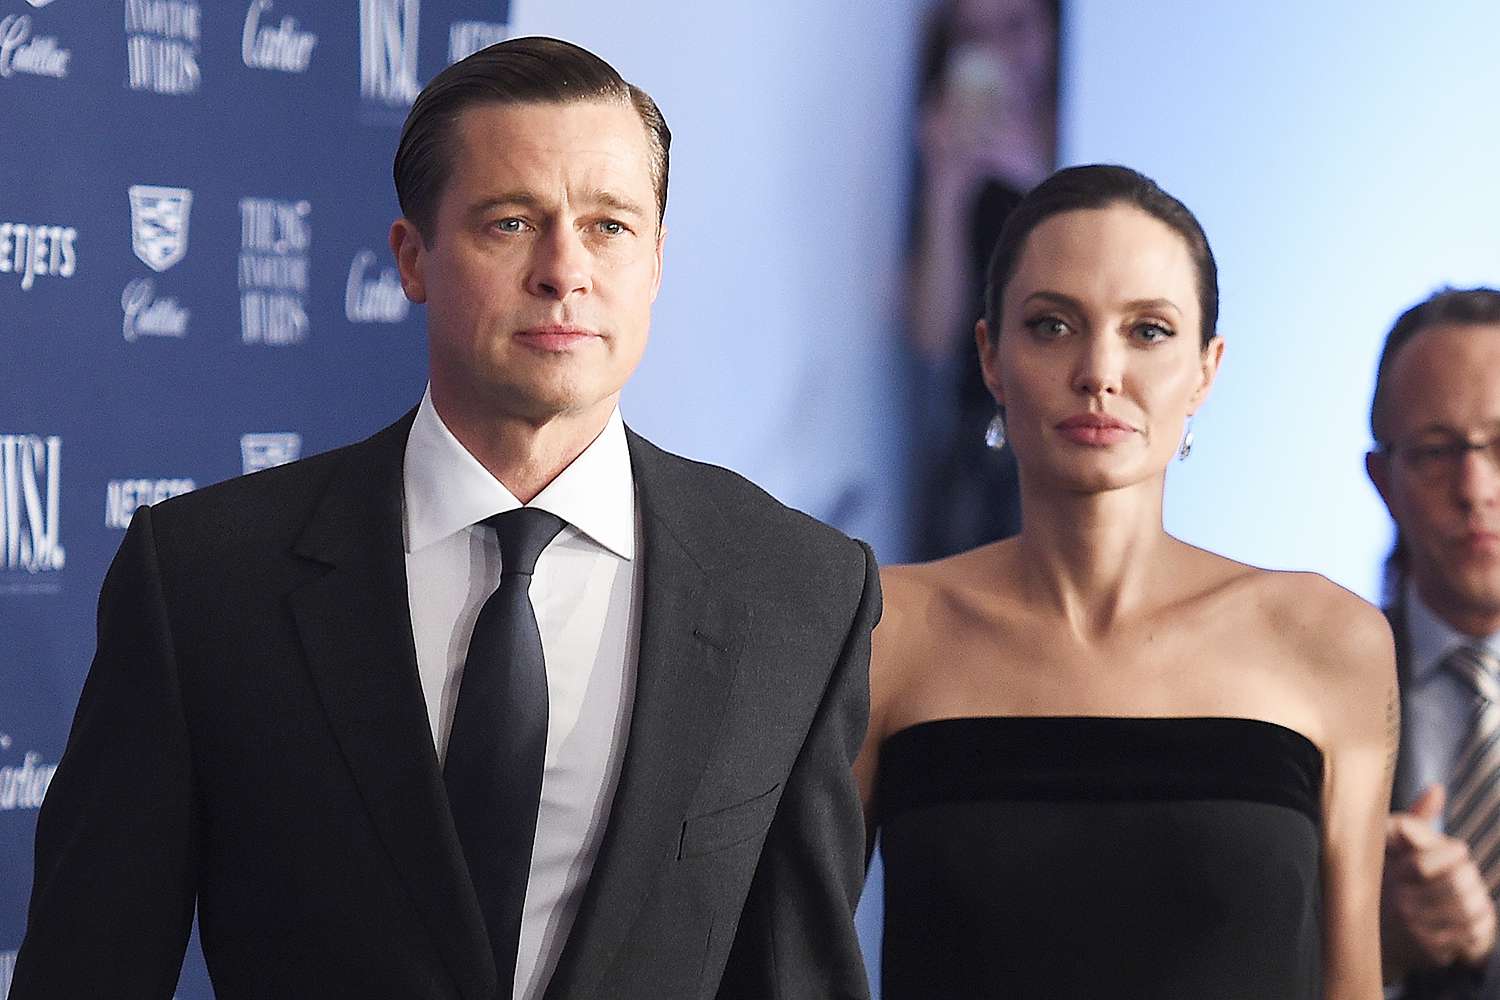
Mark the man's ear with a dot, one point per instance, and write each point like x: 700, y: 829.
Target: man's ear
x: 1378, y: 468
x: 989, y: 360
x: 661, y: 238
x: 410, y: 253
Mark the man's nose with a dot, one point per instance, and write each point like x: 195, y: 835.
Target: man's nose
x: 560, y: 266
x: 1479, y: 476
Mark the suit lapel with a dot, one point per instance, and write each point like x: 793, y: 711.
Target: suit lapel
x: 690, y: 634
x: 355, y: 627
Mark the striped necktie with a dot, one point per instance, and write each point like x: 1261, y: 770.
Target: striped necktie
x: 1474, y: 790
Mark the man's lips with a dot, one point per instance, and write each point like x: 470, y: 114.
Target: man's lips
x: 555, y: 338
x: 1480, y: 540
x: 1094, y: 429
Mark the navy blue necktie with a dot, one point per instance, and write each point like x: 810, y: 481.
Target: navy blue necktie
x: 498, y: 742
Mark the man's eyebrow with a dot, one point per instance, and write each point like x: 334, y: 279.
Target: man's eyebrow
x: 610, y: 200
x: 524, y: 199
x: 513, y: 198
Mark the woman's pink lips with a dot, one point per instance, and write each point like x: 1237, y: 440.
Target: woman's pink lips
x: 1094, y: 429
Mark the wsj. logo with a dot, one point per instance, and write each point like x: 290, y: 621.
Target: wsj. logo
x: 159, y: 224
x: 123, y: 496
x: 21, y: 53
x: 281, y: 48
x: 268, y: 450
x: 467, y: 37
x: 162, y: 39
x: 148, y: 316
x: 33, y: 250
x: 388, y: 50
x: 30, y: 488
x: 373, y: 300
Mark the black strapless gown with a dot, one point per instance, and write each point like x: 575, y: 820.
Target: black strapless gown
x: 1081, y: 858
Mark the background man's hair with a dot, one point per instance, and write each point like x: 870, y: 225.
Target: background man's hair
x: 531, y: 70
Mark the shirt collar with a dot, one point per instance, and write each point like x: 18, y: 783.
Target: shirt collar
x: 1430, y: 639
x: 447, y: 489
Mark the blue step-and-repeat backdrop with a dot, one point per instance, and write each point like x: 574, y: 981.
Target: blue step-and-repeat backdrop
x: 194, y: 283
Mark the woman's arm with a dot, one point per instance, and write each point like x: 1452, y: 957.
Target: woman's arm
x: 1355, y: 681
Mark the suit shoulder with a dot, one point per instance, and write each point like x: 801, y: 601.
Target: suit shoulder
x: 270, y: 504
x: 757, y: 516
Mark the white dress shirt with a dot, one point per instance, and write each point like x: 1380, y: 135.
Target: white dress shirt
x: 1438, y: 703
x: 585, y: 592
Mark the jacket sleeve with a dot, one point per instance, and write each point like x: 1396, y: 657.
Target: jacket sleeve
x: 796, y: 938
x: 112, y: 900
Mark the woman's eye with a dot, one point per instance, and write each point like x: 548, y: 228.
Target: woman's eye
x: 1047, y: 326
x: 1153, y: 333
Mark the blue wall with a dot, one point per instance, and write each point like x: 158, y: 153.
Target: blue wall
x: 1341, y: 156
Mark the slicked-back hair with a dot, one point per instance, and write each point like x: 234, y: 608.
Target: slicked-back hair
x: 533, y: 70
x: 1091, y: 187
x: 1445, y: 307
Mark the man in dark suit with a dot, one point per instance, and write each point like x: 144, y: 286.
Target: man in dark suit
x: 314, y: 711
x: 1436, y: 423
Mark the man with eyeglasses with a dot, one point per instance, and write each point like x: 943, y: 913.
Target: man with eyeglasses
x: 1436, y: 423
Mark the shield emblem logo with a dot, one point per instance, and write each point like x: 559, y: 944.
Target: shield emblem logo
x: 159, y: 224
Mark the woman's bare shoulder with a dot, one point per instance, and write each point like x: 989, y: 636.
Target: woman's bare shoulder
x: 1337, y: 629
x: 924, y: 604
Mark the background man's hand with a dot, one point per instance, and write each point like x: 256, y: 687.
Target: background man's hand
x: 1434, y: 907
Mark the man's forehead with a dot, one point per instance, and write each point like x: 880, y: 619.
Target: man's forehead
x: 1447, y: 372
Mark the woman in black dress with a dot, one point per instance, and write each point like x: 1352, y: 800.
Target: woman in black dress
x: 1104, y: 763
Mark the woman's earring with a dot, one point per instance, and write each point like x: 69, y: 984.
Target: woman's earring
x: 994, y: 432
x: 1186, y: 448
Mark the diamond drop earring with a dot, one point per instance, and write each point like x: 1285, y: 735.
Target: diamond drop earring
x: 994, y: 432
x: 1186, y: 448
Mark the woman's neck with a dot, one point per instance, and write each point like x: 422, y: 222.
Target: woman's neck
x: 1092, y: 558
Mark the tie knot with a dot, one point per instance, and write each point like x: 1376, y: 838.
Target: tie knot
x: 523, y: 534
x: 1477, y: 665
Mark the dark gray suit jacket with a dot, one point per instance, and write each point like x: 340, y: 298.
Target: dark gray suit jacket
x: 1436, y: 984
x: 253, y: 738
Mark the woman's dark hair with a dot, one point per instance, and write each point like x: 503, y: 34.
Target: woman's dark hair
x: 531, y: 70
x: 1099, y: 186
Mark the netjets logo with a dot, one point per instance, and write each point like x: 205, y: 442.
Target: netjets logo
x: 30, y: 250
x: 268, y: 450
x: 30, y: 491
x: 159, y: 224
x: 388, y: 50
x: 123, y: 496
